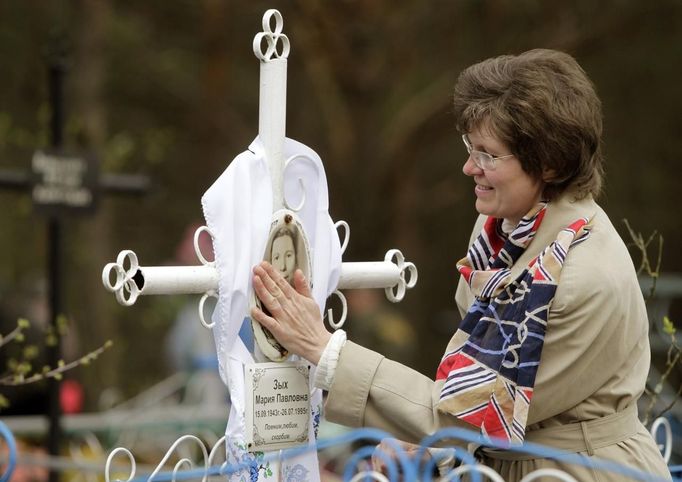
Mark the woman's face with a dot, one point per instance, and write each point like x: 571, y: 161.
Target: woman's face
x: 284, y: 256
x: 506, y: 192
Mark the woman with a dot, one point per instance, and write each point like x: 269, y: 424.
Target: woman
x: 283, y: 253
x: 553, y: 345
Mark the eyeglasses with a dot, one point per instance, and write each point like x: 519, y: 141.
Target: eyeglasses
x: 482, y: 159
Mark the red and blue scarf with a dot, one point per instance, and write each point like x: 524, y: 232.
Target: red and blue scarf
x: 490, y: 364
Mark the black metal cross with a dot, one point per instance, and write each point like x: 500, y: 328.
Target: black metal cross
x: 57, y: 185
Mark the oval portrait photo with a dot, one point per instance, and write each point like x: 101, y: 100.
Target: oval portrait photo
x: 287, y: 250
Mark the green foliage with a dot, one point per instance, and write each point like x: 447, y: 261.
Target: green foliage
x: 669, y: 327
x: 17, y: 334
x: 20, y: 371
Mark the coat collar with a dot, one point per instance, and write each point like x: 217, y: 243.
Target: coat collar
x: 560, y: 213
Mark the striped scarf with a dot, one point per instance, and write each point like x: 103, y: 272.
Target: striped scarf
x: 490, y: 364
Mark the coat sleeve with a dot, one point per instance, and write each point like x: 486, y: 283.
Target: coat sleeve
x: 370, y: 390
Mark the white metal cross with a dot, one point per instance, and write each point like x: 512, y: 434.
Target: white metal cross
x: 128, y: 280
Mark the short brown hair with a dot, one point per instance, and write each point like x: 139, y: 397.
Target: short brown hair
x: 545, y: 108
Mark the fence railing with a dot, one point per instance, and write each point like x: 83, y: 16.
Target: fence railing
x: 190, y: 458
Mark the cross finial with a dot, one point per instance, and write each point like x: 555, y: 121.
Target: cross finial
x: 272, y: 38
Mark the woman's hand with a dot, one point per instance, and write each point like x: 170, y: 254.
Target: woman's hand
x: 387, y: 447
x: 294, y: 318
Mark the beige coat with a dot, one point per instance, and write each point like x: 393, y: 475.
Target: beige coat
x: 594, y: 364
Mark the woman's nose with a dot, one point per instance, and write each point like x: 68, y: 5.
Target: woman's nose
x: 470, y: 168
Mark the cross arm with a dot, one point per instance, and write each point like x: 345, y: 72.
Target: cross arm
x: 109, y: 183
x: 128, y: 280
x: 17, y: 180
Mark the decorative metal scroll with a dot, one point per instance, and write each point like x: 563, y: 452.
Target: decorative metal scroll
x: 11, y: 462
x: 666, y: 446
x: 183, y: 465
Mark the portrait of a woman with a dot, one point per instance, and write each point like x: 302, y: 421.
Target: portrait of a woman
x: 286, y: 251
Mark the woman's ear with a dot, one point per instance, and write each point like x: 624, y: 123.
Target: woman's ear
x: 548, y: 175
